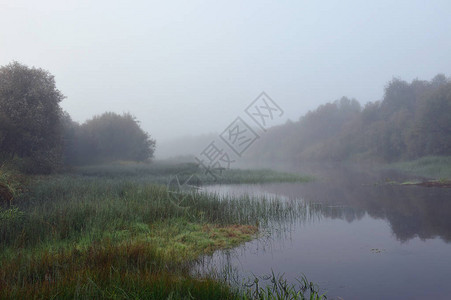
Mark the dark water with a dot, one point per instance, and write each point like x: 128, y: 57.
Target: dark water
x: 366, y: 240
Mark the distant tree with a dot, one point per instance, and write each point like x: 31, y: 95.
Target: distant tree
x: 30, y: 117
x: 108, y: 137
x: 433, y: 126
x: 398, y: 94
x: 71, y: 132
x: 439, y: 80
x: 412, y: 120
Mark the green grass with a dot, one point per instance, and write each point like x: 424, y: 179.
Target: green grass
x: 11, y: 185
x: 117, y: 232
x: 436, y: 167
x: 165, y: 172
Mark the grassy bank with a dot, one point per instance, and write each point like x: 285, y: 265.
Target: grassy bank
x: 120, y: 232
x: 433, y: 167
x: 164, y: 173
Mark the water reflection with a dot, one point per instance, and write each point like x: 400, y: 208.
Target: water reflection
x: 361, y: 240
x: 412, y: 211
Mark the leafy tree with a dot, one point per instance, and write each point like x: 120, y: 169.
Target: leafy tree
x: 433, y: 128
x: 398, y: 94
x: 105, y: 138
x: 30, y: 117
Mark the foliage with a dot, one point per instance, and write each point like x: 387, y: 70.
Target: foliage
x: 36, y: 136
x: 12, y: 185
x: 105, y: 138
x: 86, y: 236
x: 412, y: 120
x: 30, y: 117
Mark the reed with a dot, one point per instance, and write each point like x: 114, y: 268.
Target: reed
x: 96, y: 235
x: 436, y: 167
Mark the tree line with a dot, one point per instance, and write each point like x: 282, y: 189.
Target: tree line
x: 37, y: 136
x: 412, y: 120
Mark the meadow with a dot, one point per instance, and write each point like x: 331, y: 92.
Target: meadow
x: 126, y: 231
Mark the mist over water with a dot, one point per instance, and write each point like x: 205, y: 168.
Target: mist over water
x: 325, y: 126
x: 361, y: 239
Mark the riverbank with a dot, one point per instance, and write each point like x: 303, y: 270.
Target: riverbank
x: 430, y: 171
x: 124, y: 232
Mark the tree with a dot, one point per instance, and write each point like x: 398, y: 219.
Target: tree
x: 30, y: 117
x: 433, y: 127
x: 412, y: 120
x: 108, y: 137
x: 71, y: 131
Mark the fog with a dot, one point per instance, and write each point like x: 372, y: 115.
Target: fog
x: 190, y: 68
x: 225, y: 149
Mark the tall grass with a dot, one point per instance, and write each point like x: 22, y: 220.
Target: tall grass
x: 277, y: 287
x: 109, y: 235
x: 438, y: 167
x: 68, y: 207
x: 11, y: 185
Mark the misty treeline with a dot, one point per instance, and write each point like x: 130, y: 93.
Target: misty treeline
x: 37, y: 136
x: 412, y: 120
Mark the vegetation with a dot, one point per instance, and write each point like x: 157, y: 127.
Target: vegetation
x: 276, y: 287
x: 438, y: 167
x: 133, y: 229
x: 12, y: 184
x: 412, y: 120
x: 124, y: 230
x: 30, y: 118
x: 189, y: 173
x: 106, y: 138
x: 36, y: 136
x: 98, y: 236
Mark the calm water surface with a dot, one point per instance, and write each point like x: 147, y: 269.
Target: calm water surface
x: 365, y: 240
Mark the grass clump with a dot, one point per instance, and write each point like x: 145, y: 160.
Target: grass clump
x: 11, y: 185
x: 186, y: 240
x: 277, y: 287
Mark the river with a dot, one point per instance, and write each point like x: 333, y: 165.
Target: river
x: 365, y: 239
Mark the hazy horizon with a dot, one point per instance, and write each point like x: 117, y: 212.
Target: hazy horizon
x: 190, y: 68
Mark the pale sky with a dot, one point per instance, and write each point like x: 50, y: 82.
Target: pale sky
x: 191, y: 67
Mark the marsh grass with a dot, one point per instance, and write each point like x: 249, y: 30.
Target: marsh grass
x: 277, y: 287
x: 165, y: 172
x: 437, y: 167
x: 92, y: 235
x: 271, y: 286
x: 12, y: 185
